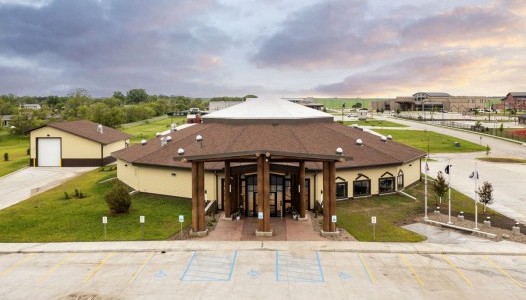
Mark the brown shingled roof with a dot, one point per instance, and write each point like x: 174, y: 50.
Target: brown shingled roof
x: 300, y: 139
x: 88, y: 130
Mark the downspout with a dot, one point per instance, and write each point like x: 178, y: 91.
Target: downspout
x: 217, y: 190
x: 101, y: 155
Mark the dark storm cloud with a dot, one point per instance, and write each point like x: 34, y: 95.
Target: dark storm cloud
x: 343, y: 33
x: 92, y: 43
x: 327, y: 33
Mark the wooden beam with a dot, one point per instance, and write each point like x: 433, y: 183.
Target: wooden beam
x: 195, y: 215
x: 226, y: 191
x: 266, y: 195
x: 302, y: 190
x: 259, y: 195
x: 201, y: 196
x: 332, y: 183
x: 326, y: 197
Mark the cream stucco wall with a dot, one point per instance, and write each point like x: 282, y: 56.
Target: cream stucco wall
x: 72, y: 146
x: 108, y: 149
x: 159, y: 180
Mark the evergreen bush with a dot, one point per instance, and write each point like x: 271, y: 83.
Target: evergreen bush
x: 118, y: 198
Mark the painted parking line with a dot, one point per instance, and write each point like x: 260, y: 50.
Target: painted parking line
x: 101, y: 264
x: 459, y: 272
x: 297, y: 268
x: 415, y: 274
x: 16, y: 265
x: 205, y: 267
x: 364, y: 265
x: 141, y: 268
x: 502, y: 271
x: 62, y: 261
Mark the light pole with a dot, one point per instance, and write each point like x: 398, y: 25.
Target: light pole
x: 475, y: 175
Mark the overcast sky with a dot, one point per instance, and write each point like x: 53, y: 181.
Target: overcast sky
x: 205, y: 48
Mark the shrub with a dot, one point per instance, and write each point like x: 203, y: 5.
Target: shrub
x: 66, y: 196
x: 76, y: 193
x: 28, y: 151
x: 6, y: 156
x: 118, y: 198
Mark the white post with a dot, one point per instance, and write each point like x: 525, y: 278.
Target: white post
x: 425, y: 189
x: 475, y: 175
x: 449, y: 191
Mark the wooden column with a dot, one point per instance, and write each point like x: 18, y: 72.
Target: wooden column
x: 263, y: 195
x: 226, y: 191
x: 302, y: 190
x: 332, y: 199
x: 326, y: 197
x: 198, y: 197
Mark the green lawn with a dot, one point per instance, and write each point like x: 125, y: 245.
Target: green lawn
x: 507, y: 160
x: 459, y: 202
x: 374, y: 123
x: 438, y: 143
x: 16, y: 147
x: 147, y: 129
x: 50, y: 217
x: 391, y: 212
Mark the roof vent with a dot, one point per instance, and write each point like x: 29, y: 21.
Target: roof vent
x: 99, y: 128
x: 143, y: 142
x: 199, y: 138
x: 168, y: 139
x: 354, y: 125
x: 384, y: 139
x: 339, y: 151
x: 180, y: 151
x: 359, y: 142
x: 158, y: 134
x: 173, y: 127
x: 389, y: 137
x: 163, y: 141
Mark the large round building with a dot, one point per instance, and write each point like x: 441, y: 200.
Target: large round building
x: 268, y: 156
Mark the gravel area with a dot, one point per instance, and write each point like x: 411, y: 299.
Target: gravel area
x: 502, y: 234
x: 317, y: 224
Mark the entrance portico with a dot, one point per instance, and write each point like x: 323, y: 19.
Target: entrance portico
x: 263, y: 194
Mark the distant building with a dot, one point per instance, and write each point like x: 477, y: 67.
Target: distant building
x: 214, y: 105
x: 429, y: 101
x: 6, y: 120
x: 522, y: 119
x: 513, y: 100
x: 308, y: 102
x: 31, y: 106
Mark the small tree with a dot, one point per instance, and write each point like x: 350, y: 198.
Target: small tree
x: 485, y: 193
x: 501, y: 128
x: 488, y: 149
x: 118, y: 198
x: 440, y: 185
x: 6, y: 156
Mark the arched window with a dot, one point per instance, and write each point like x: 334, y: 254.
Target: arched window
x: 386, y: 183
x: 361, y: 186
x: 341, y: 188
x: 400, y: 180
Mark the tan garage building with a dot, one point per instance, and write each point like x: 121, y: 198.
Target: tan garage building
x: 75, y: 144
x: 268, y: 156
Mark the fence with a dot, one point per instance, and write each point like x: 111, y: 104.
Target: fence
x: 492, y: 129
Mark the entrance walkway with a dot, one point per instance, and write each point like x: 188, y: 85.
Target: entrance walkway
x: 286, y: 229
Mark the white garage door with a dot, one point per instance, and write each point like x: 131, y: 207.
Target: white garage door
x: 48, y: 152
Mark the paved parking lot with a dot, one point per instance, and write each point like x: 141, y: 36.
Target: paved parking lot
x: 261, y: 274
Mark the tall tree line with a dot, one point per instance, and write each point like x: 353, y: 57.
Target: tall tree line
x: 113, y: 111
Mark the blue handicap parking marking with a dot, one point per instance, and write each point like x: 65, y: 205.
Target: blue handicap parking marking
x: 209, y: 267
x: 253, y: 273
x: 160, y: 275
x: 299, y: 268
x: 344, y: 276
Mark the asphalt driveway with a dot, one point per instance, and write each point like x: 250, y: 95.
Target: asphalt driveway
x: 24, y: 183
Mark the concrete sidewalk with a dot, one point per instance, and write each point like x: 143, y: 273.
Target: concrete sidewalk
x: 468, y: 248
x: 24, y: 183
